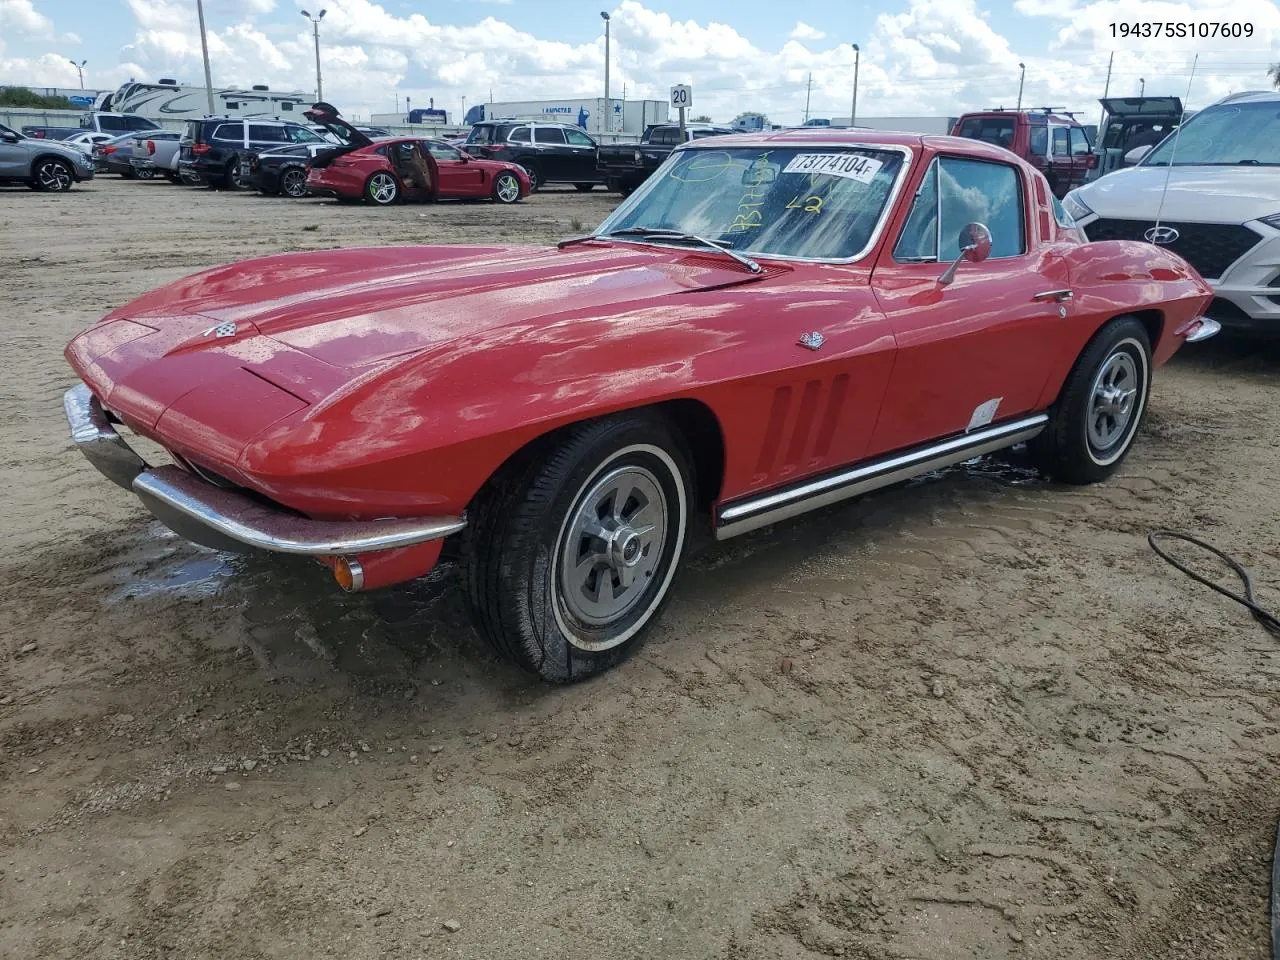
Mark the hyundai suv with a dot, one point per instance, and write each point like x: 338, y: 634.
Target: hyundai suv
x: 549, y: 152
x: 1053, y: 143
x: 1211, y: 194
x: 212, y: 148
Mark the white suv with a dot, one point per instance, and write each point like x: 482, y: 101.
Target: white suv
x: 1215, y: 190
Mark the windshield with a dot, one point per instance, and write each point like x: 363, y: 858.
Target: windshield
x: 1228, y: 134
x: 814, y: 203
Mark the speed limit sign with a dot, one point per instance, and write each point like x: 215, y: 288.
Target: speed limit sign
x: 682, y: 96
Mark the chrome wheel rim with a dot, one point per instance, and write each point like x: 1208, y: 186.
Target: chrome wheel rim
x: 382, y: 188
x: 611, y: 547
x: 145, y: 173
x: 1114, y: 399
x: 532, y: 175
x: 295, y: 183
x: 53, y: 176
x: 508, y: 188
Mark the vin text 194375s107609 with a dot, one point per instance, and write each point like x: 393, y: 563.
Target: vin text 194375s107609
x: 770, y: 324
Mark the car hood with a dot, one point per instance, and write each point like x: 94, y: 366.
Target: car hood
x: 1206, y: 194
x: 35, y: 145
x: 312, y: 323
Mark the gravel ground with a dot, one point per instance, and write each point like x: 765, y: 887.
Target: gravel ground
x: 969, y: 717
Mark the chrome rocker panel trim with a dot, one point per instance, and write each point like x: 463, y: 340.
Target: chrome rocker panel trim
x: 225, y: 519
x: 743, y: 516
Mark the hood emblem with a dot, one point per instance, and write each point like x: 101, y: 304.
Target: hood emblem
x: 812, y: 340
x: 227, y: 329
x: 1164, y: 235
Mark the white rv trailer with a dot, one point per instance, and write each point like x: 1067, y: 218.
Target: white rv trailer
x: 170, y: 100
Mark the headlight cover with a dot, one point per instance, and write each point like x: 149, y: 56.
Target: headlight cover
x: 1076, y: 208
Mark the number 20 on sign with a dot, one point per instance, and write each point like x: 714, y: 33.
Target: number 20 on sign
x: 682, y: 96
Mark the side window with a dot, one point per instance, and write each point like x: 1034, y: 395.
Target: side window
x: 1079, y: 142
x: 979, y: 191
x: 266, y: 133
x: 1061, y: 142
x: 111, y: 123
x: 382, y: 150
x: 548, y: 135
x: 919, y: 239
x: 665, y: 136
x: 230, y: 132
x: 578, y: 139
x: 1038, y: 141
x: 286, y: 107
x: 441, y: 151
x: 519, y: 135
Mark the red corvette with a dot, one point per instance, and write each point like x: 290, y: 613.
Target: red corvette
x: 770, y: 324
x: 387, y: 171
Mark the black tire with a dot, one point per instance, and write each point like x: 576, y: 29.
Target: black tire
x: 513, y: 566
x: 1082, y: 443
x: 584, y: 187
x: 231, y: 176
x: 292, y: 183
x: 535, y: 176
x: 382, y: 188
x: 506, y: 188
x: 51, y: 175
x: 173, y: 178
x: 627, y: 189
x: 144, y: 173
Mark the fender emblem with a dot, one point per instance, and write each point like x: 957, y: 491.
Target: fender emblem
x: 227, y: 329
x: 812, y: 340
x: 1161, y: 235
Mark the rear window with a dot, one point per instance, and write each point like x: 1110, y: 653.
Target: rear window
x: 997, y: 130
x: 665, y: 136
x: 1038, y: 141
x: 519, y: 135
x: 115, y: 124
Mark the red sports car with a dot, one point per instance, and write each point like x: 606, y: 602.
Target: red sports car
x: 772, y: 323
x: 386, y: 171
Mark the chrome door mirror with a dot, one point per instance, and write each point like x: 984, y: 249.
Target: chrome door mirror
x: 975, y: 246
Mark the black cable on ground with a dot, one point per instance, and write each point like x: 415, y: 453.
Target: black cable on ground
x: 1269, y: 621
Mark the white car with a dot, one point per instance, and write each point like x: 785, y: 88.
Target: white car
x: 1215, y: 191
x: 84, y: 141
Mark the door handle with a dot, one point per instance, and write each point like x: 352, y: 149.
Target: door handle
x: 1057, y: 296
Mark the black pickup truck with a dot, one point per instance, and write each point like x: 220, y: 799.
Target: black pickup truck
x: 624, y: 166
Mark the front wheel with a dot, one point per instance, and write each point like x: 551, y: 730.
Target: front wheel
x: 382, y: 188
x: 584, y: 187
x: 506, y: 188
x: 52, y: 176
x: 1092, y: 426
x: 572, y: 553
x: 144, y: 173
x: 293, y: 182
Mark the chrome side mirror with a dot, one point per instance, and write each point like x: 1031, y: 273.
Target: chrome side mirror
x: 975, y: 246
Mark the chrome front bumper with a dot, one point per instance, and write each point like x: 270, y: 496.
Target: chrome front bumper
x: 227, y: 519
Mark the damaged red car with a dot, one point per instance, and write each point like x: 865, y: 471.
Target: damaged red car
x: 395, y: 169
x: 770, y: 324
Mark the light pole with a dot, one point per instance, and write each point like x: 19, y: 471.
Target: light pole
x: 315, y: 23
x: 608, y: 107
x: 79, y: 69
x: 1021, y: 77
x: 204, y: 48
x: 853, y: 111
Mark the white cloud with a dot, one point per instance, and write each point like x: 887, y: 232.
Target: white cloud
x: 802, y: 31
x: 925, y: 57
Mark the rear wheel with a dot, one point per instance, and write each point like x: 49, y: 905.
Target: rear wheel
x: 382, y: 188
x: 535, y: 176
x: 232, y: 179
x: 506, y: 188
x: 52, y: 176
x: 1092, y: 426
x: 572, y: 553
x: 293, y: 182
x: 584, y: 187
x: 144, y: 173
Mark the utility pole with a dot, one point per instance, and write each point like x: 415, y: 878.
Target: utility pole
x: 608, y: 107
x: 853, y: 112
x: 204, y: 48
x: 315, y: 23
x: 807, y: 90
x: 1021, y: 78
x: 80, y: 69
x: 1142, y: 89
x: 1106, y: 88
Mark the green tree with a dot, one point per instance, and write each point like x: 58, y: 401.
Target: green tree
x: 22, y: 97
x: 702, y: 119
x: 1274, y: 73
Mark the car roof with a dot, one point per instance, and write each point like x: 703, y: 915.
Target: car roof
x: 1252, y: 96
x: 834, y: 137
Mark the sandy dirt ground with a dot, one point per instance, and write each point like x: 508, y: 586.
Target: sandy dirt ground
x: 1007, y: 729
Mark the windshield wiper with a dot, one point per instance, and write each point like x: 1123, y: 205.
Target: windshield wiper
x: 663, y: 234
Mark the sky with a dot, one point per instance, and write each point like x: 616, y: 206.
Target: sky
x: 917, y: 57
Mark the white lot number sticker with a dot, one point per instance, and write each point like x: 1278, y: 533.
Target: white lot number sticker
x: 983, y: 414
x: 851, y: 166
